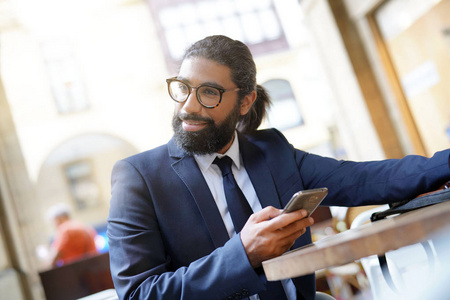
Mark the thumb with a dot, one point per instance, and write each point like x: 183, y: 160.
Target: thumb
x: 265, y: 214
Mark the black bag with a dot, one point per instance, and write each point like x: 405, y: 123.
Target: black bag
x: 421, y: 201
x: 416, y: 203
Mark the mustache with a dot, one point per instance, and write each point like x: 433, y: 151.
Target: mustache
x: 193, y: 117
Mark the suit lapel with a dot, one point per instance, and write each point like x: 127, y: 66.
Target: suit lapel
x: 259, y: 173
x: 187, y: 169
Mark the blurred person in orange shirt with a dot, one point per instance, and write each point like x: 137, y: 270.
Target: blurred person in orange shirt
x: 74, y: 240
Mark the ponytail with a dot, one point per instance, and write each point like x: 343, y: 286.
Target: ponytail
x: 250, y: 122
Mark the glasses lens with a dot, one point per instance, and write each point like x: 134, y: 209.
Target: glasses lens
x: 178, y: 90
x: 209, y: 96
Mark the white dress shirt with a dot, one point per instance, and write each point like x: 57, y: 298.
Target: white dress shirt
x: 213, y: 177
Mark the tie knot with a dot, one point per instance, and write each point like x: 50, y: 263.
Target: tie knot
x: 224, y: 164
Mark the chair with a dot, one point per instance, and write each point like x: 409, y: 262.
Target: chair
x: 408, y: 266
x: 77, y: 279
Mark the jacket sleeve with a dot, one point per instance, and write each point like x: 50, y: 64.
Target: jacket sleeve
x: 140, y: 265
x: 374, y: 182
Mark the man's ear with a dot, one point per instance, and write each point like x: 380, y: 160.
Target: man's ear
x: 247, y: 102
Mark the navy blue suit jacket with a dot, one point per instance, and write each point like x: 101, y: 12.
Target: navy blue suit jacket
x: 168, y: 241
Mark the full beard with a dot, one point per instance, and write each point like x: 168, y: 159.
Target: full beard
x: 208, y: 140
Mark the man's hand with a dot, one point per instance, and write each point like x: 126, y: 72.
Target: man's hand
x: 268, y: 234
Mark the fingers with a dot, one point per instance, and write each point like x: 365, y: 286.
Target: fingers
x: 284, y: 220
x: 274, y: 220
x: 268, y: 234
x: 295, y: 229
x: 299, y: 224
x: 265, y: 214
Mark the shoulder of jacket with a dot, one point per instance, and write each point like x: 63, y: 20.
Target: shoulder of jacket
x: 268, y: 138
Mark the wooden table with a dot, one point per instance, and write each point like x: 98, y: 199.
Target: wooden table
x: 369, y: 239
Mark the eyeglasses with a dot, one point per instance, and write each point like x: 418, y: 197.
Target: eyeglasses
x: 207, y: 95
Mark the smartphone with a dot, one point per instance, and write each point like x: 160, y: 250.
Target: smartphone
x: 307, y: 199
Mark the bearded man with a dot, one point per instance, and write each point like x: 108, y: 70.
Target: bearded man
x: 178, y: 227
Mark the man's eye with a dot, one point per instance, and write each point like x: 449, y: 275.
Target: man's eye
x: 182, y: 87
x: 210, y: 92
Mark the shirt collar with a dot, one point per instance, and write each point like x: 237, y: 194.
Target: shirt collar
x: 206, y: 160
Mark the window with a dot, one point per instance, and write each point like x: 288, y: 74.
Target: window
x: 82, y: 186
x: 413, y: 35
x: 182, y: 22
x: 284, y: 113
x: 64, y: 77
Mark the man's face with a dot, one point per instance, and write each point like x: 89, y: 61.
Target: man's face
x: 201, y: 130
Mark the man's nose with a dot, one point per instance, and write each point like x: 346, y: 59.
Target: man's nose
x: 192, y: 105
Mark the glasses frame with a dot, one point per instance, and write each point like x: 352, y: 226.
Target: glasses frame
x: 221, y: 91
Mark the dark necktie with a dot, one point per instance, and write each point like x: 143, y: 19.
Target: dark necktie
x: 240, y: 211
x: 238, y: 206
